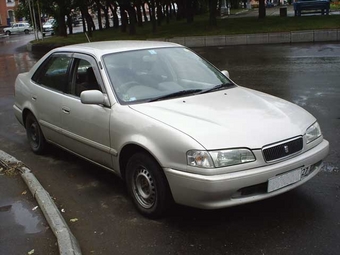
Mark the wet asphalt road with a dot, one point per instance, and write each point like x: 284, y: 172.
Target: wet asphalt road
x: 23, y: 228
x: 303, y: 221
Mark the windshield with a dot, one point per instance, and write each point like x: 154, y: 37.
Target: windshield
x: 160, y: 74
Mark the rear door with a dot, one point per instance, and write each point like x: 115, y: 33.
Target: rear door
x: 48, y: 88
x: 86, y: 127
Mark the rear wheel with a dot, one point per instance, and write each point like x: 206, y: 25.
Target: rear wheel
x: 35, y: 136
x: 147, y: 185
x: 8, y: 32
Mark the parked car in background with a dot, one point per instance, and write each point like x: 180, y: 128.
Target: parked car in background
x: 169, y: 123
x: 322, y: 6
x: 18, y: 28
x: 48, y: 27
x: 75, y: 21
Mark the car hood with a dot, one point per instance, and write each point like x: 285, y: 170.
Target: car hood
x: 236, y: 117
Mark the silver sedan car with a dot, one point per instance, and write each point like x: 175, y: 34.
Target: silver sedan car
x: 169, y: 123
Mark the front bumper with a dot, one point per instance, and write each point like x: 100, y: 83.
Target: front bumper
x: 218, y: 191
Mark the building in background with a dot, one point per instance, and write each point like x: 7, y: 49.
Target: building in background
x: 7, y: 9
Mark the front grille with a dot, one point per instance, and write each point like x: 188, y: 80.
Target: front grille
x: 283, y: 149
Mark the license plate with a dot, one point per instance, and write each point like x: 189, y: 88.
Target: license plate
x: 284, y: 180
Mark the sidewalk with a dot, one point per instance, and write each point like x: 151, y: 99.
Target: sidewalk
x: 23, y: 228
x: 271, y: 11
x: 29, y: 216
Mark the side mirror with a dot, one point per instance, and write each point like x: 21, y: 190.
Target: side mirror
x: 93, y: 97
x: 226, y: 73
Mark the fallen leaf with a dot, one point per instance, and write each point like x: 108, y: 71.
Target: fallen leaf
x: 30, y: 252
x: 62, y: 210
x: 34, y: 208
x: 74, y: 220
x: 24, y: 193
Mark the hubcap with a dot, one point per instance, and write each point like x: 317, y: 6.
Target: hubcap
x: 144, y: 188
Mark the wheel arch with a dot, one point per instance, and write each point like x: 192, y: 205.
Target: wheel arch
x: 126, y: 153
x: 25, y: 113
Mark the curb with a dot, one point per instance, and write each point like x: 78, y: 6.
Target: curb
x: 330, y: 35
x: 3, y: 36
x: 67, y: 243
x: 303, y: 36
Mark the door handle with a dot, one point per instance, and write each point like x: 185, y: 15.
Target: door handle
x: 66, y: 110
x: 34, y: 98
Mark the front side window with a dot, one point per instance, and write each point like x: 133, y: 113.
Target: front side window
x: 160, y: 74
x: 54, y: 73
x: 85, y: 78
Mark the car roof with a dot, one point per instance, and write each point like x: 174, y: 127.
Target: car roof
x: 106, y: 47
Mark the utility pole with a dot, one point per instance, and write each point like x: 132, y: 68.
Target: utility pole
x: 32, y: 12
x: 39, y: 13
x: 32, y: 19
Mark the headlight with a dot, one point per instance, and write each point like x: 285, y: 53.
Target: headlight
x: 313, y: 132
x: 231, y: 157
x: 221, y: 158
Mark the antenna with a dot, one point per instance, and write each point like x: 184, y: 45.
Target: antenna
x: 87, y: 37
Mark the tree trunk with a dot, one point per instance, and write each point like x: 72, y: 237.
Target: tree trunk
x: 124, y: 18
x: 153, y: 16
x: 139, y: 13
x: 212, y: 12
x: 99, y: 16
x: 262, y: 9
x: 144, y: 13
x: 115, y: 19
x: 132, y: 19
x: 180, y: 9
x: 159, y: 12
x: 189, y: 7
x: 106, y: 14
x: 167, y: 13
x: 88, y: 19
x: 83, y: 21
x: 62, y: 25
x: 69, y: 24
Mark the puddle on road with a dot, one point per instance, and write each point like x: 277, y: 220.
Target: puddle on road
x: 27, y: 218
x: 16, y: 212
x: 21, y: 214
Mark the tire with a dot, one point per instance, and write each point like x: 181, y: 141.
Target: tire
x: 34, y: 134
x: 8, y: 32
x: 27, y: 32
x: 147, y: 185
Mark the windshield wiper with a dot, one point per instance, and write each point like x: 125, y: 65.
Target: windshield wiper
x: 217, y: 87
x: 176, y: 94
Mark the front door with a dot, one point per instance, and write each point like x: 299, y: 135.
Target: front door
x: 86, y: 127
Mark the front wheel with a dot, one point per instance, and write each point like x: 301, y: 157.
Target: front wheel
x: 27, y: 32
x: 35, y: 136
x: 147, y: 185
x: 8, y: 32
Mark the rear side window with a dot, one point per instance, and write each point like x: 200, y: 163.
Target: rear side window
x: 54, y: 73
